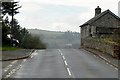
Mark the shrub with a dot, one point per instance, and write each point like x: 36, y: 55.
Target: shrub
x: 32, y: 42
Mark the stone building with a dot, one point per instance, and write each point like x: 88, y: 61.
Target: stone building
x: 102, y: 25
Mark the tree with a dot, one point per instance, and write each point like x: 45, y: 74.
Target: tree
x: 16, y: 30
x: 25, y: 39
x: 4, y: 33
x: 10, y: 8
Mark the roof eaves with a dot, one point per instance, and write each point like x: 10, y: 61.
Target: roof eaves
x: 84, y: 25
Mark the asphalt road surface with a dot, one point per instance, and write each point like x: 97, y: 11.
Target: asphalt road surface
x: 64, y: 63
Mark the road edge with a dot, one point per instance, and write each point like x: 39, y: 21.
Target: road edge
x: 18, y: 58
x: 109, y: 62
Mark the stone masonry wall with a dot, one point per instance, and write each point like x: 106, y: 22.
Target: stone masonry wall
x: 85, y: 31
x: 99, y: 45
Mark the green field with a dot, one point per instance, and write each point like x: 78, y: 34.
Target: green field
x: 47, y: 34
x: 55, y: 39
x: 6, y: 48
x: 0, y: 54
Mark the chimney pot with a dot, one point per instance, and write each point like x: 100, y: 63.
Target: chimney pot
x: 97, y: 10
x: 97, y: 6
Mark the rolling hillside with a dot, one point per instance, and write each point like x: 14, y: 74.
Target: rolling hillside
x: 54, y: 39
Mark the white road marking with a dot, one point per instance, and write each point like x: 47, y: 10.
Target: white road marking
x: 106, y: 63
x: 116, y: 69
x: 10, y: 65
x: 63, y: 57
x: 25, y: 60
x: 14, y: 62
x: 34, y: 53
x: 31, y: 56
x: 5, y: 70
x: 69, y: 72
x: 14, y: 70
x: 60, y: 52
x: 111, y: 65
x: 65, y: 63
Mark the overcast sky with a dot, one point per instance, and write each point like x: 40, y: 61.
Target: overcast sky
x: 60, y: 15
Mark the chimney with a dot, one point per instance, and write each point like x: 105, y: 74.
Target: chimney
x: 97, y: 10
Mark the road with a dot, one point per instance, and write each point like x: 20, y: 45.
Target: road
x: 64, y: 63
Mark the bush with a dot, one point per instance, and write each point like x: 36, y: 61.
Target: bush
x: 32, y: 42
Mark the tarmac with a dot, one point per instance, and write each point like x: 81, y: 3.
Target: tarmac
x: 108, y: 58
x: 9, y: 57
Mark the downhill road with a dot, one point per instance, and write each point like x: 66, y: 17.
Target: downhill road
x: 64, y: 63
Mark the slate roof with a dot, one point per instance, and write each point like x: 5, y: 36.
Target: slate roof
x: 99, y: 16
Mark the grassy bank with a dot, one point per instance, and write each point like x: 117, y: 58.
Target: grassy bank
x: 105, y: 40
x: 0, y: 55
x: 6, y: 48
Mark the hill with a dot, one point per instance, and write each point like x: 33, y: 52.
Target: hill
x: 55, y: 39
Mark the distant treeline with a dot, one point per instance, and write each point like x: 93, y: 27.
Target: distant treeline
x: 54, y: 39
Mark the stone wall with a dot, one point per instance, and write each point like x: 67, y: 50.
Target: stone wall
x: 85, y: 31
x: 99, y: 45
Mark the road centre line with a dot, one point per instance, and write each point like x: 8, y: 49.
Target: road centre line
x: 65, y: 62
x: 63, y: 57
x: 61, y: 54
x: 69, y: 72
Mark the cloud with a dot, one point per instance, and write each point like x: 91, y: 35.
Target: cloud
x: 45, y: 14
x: 111, y: 4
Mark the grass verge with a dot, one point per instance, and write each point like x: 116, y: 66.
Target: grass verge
x: 105, y: 40
x: 8, y: 48
x: 0, y: 55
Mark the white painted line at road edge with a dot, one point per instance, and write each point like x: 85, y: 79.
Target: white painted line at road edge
x: 10, y: 65
x: 116, y: 68
x: 14, y: 70
x: 14, y: 62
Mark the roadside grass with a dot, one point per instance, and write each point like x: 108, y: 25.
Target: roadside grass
x: 1, y: 55
x: 105, y: 40
x: 108, y: 41
x: 8, y: 48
